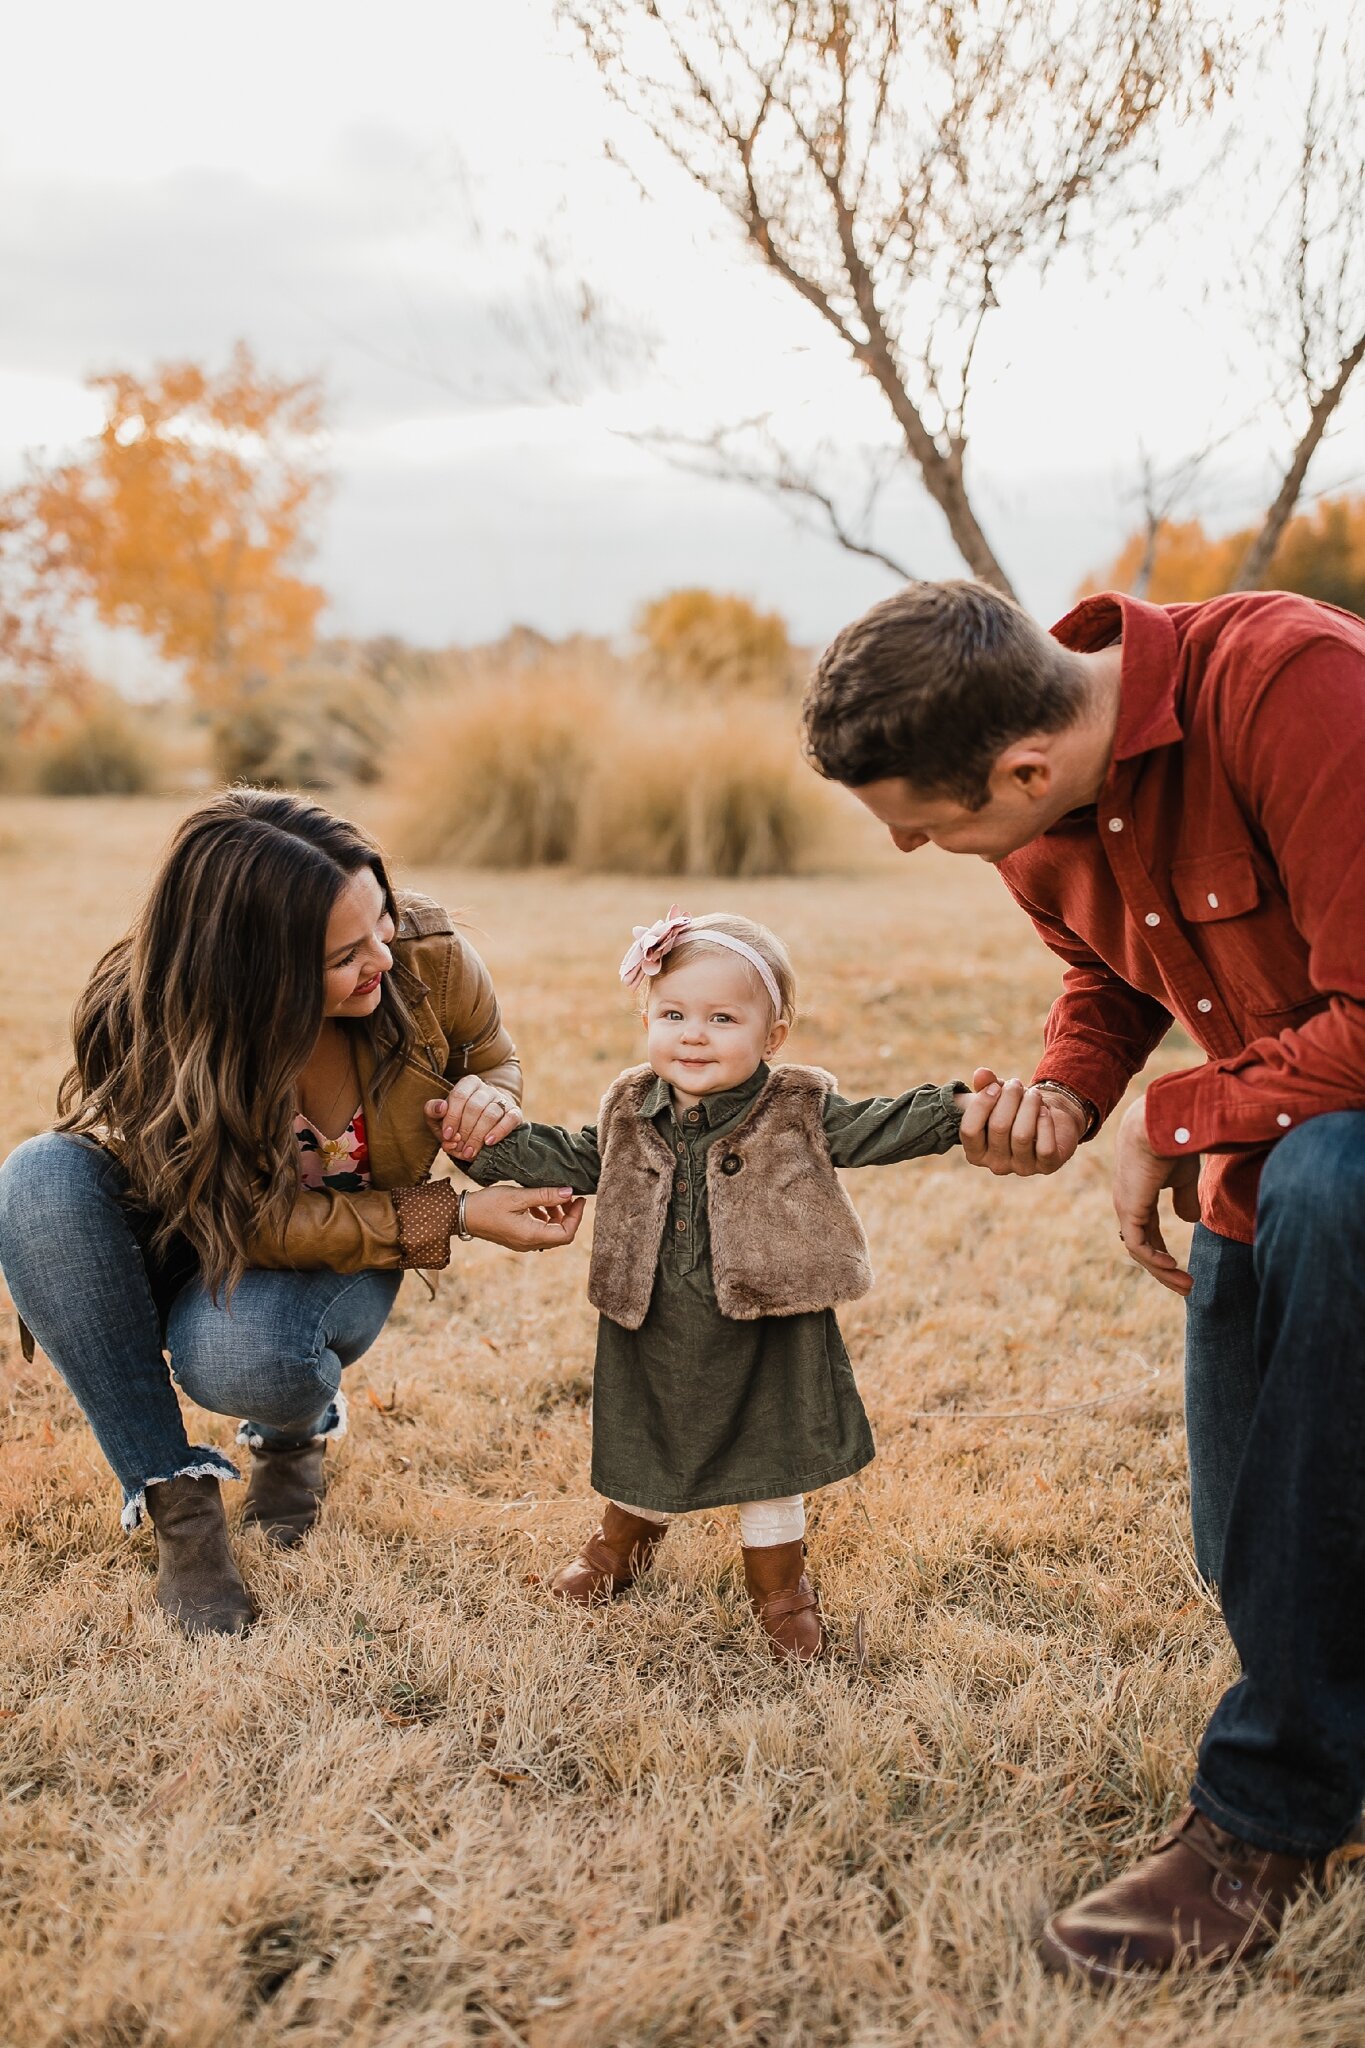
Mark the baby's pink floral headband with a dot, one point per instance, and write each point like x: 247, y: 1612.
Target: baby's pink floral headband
x: 653, y: 942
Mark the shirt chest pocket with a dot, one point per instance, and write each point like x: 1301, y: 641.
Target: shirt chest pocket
x: 1243, y: 931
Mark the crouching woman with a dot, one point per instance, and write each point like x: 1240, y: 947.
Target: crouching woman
x: 240, y: 1174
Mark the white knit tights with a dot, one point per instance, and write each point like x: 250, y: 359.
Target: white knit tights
x: 762, y: 1523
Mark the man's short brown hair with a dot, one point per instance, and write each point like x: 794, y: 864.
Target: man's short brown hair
x: 931, y: 685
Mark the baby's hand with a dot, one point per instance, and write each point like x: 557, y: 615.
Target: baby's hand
x: 471, y: 1116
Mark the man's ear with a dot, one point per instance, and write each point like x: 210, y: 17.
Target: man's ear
x: 1026, y: 766
x: 776, y: 1038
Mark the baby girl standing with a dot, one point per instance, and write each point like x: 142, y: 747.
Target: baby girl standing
x: 722, y: 1241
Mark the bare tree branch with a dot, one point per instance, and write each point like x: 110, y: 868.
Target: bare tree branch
x: 890, y: 161
x: 1321, y: 332
x: 717, y: 455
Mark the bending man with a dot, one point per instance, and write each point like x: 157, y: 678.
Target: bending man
x: 1173, y: 794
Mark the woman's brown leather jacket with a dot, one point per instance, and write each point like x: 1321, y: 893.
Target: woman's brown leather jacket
x: 404, y: 1218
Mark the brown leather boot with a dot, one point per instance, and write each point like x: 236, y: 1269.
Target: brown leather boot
x: 784, y: 1600
x: 1202, y: 1898
x: 197, y: 1582
x: 285, y: 1494
x: 611, y: 1559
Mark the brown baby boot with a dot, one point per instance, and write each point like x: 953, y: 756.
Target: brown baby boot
x: 285, y: 1494
x: 784, y: 1600
x: 611, y: 1559
x: 1202, y: 1899
x: 197, y: 1582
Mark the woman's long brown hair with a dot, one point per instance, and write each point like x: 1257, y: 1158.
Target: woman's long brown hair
x: 192, y: 1030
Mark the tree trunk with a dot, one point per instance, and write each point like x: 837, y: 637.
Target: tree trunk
x: 942, y: 474
x: 1260, y: 554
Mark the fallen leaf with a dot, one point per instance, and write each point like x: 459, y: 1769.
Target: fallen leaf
x: 400, y: 1720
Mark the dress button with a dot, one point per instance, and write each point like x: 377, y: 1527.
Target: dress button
x: 680, y: 1186
x: 1182, y: 1136
x: 1152, y: 917
x: 731, y: 1163
x: 1116, y: 824
x: 1284, y: 1121
x: 682, y: 1223
x: 694, y: 1116
x: 1213, y: 901
x: 1204, y: 1004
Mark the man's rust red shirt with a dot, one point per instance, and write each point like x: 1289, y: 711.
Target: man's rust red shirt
x: 1220, y: 879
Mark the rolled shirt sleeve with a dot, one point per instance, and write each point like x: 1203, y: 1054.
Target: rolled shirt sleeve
x: 1100, y: 1031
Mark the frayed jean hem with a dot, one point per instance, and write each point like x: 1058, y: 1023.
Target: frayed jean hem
x: 334, y: 1423
x: 207, y: 1463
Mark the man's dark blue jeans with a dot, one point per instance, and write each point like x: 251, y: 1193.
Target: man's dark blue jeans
x: 1275, y: 1408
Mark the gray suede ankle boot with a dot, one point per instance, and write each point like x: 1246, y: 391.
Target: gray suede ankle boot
x: 285, y: 1494
x: 197, y: 1583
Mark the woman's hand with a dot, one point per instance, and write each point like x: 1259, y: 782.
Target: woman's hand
x: 473, y: 1115
x: 524, y: 1219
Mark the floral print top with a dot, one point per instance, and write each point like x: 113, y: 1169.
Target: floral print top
x: 341, y: 1163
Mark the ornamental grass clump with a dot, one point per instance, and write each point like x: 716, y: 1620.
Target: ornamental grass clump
x: 562, y: 765
x: 717, y: 791
x: 493, y: 774
x: 103, y: 748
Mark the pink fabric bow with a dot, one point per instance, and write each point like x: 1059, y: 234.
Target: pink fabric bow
x: 652, y: 942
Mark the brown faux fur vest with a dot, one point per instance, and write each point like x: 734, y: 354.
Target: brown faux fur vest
x: 785, y: 1238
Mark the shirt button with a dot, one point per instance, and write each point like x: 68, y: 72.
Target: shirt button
x: 681, y: 1186
x: 1152, y: 917
x: 694, y: 1116
x: 1116, y: 824
x: 682, y: 1223
x: 1213, y: 901
x: 1182, y: 1136
x: 1284, y: 1121
x: 1204, y: 1004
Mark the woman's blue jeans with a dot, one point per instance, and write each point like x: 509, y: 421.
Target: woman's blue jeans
x: 105, y: 1311
x: 1275, y: 1410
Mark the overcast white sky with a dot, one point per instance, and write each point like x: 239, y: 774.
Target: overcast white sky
x: 173, y: 177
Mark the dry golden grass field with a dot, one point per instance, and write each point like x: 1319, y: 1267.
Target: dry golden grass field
x: 418, y: 1806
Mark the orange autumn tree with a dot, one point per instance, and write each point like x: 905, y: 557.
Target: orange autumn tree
x: 40, y: 674
x: 1321, y: 553
x: 188, y: 515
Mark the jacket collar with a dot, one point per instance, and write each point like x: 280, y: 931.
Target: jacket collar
x: 715, y: 1109
x: 1148, y: 677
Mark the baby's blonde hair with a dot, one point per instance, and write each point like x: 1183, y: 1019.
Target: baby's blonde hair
x: 765, y: 943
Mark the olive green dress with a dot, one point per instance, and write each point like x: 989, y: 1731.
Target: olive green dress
x: 696, y: 1409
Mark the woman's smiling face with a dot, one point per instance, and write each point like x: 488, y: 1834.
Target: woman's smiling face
x: 710, y: 1023
x: 356, y: 956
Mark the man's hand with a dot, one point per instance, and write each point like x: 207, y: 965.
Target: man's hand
x: 471, y: 1116
x: 524, y: 1219
x: 1139, y: 1177
x: 1009, y: 1128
